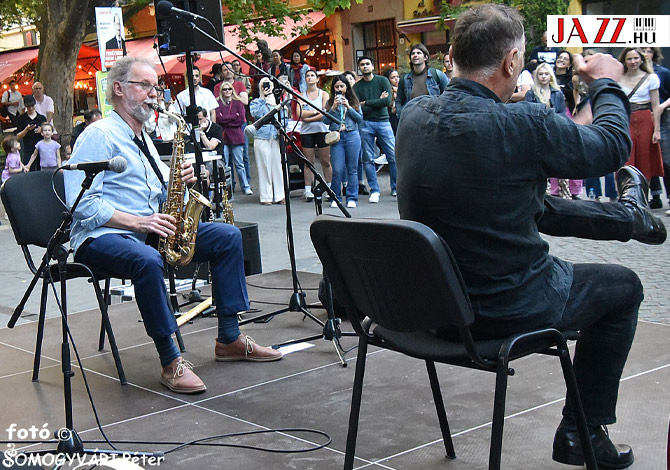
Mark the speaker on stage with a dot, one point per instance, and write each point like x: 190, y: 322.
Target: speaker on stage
x: 252, y: 254
x: 175, y: 36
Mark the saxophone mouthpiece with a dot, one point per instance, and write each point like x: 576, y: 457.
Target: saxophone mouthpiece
x: 152, y: 105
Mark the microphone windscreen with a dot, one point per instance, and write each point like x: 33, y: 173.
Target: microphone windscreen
x: 250, y: 130
x: 164, y: 8
x: 118, y: 164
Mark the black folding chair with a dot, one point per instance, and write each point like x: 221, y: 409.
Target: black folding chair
x: 401, y: 277
x: 35, y: 213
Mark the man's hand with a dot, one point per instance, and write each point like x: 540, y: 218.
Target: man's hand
x: 188, y: 173
x: 597, y: 66
x: 384, y: 95
x: 161, y: 224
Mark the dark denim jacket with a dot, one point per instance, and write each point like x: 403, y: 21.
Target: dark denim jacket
x: 435, y: 86
x: 474, y: 169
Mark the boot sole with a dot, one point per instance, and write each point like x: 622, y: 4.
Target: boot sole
x: 247, y: 359
x: 185, y: 391
x: 578, y: 460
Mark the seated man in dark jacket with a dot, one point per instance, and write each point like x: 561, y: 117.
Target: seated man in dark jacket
x: 480, y: 183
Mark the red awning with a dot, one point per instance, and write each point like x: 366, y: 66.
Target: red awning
x: 12, y: 61
x: 422, y: 25
x: 173, y: 64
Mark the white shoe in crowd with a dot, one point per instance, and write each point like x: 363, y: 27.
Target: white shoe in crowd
x: 309, y: 196
x: 351, y: 204
x: 374, y: 198
x: 333, y: 204
x: 381, y: 160
x: 248, y: 192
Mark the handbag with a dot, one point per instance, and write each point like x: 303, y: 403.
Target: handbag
x: 333, y: 137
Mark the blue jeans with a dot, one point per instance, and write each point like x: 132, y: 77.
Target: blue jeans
x: 594, y: 183
x: 124, y: 257
x: 344, y: 160
x: 386, y: 140
x: 235, y: 160
x: 246, y: 158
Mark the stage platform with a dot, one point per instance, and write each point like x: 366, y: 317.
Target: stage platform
x: 310, y: 389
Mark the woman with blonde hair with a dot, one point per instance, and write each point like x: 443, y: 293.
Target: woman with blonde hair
x: 231, y: 116
x: 641, y: 85
x: 545, y: 89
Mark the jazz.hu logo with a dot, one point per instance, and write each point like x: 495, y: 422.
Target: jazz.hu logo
x: 608, y: 31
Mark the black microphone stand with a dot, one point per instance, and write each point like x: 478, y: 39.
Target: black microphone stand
x: 191, y: 112
x: 296, y: 302
x: 69, y: 442
x: 331, y: 328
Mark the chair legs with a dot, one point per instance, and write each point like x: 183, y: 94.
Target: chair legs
x: 101, y: 342
x: 441, y: 413
x: 40, y: 331
x: 352, y: 433
x: 498, y: 415
x: 108, y: 328
x: 580, y: 418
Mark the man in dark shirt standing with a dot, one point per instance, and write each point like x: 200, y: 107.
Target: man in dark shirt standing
x: 421, y: 80
x: 89, y: 118
x: 374, y: 93
x: 480, y: 183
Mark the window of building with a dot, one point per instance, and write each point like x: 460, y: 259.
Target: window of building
x: 379, y: 43
x: 436, y: 41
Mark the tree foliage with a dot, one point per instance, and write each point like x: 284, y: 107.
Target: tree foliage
x: 63, y: 24
x: 534, y: 12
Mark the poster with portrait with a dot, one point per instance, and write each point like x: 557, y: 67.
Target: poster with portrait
x: 111, y: 35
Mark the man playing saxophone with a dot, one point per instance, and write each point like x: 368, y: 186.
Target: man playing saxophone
x: 120, y: 210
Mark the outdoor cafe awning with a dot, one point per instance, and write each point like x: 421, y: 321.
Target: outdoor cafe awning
x: 422, y: 25
x: 176, y: 65
x: 12, y: 61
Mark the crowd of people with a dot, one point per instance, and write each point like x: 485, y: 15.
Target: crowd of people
x: 470, y: 142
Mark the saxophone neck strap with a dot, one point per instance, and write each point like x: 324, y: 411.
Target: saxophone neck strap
x: 142, y: 145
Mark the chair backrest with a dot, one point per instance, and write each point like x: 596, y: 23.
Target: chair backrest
x: 34, y: 211
x: 399, y: 273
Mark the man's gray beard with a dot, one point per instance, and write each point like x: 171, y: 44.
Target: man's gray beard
x: 143, y: 113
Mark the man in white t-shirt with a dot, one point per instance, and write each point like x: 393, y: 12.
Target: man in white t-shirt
x: 203, y: 97
x: 13, y: 100
x: 523, y: 84
x: 44, y: 105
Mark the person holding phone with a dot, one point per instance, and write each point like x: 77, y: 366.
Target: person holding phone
x: 28, y: 129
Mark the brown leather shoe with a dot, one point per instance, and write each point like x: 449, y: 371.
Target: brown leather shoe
x: 180, y: 378
x: 245, y: 349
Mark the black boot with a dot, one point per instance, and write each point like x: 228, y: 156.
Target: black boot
x: 568, y: 447
x: 656, y: 202
x: 362, y: 190
x: 632, y: 187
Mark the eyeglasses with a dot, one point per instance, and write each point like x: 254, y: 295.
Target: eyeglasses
x: 147, y: 86
x: 226, y: 89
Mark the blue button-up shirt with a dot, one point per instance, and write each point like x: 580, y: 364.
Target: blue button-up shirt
x: 137, y: 190
x: 475, y: 170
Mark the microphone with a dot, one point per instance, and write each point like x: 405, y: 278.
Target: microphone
x: 252, y: 129
x: 165, y: 8
x: 116, y: 164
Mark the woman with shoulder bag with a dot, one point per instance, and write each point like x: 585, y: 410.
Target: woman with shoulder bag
x: 344, y: 106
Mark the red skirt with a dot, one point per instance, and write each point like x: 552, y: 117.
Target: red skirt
x: 644, y: 155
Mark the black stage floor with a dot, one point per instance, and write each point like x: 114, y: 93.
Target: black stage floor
x: 310, y: 389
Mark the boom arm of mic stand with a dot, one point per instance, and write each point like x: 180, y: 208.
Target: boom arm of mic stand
x: 260, y: 71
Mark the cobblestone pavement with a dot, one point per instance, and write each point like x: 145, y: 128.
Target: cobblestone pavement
x: 647, y: 261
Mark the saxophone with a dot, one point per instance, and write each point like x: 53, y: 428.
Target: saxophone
x: 179, y: 248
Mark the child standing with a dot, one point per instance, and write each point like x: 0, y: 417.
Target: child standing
x: 13, y: 165
x: 48, y: 150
